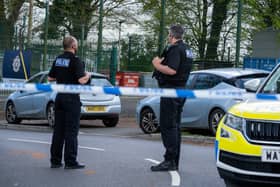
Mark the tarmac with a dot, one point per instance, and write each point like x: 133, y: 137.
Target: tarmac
x: 127, y: 121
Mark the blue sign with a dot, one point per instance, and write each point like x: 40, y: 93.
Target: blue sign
x: 260, y: 63
x: 16, y: 64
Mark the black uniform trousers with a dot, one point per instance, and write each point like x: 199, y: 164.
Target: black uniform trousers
x: 66, y: 128
x: 170, y: 120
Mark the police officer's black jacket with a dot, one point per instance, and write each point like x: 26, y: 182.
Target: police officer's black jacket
x: 178, y: 57
x: 67, y: 69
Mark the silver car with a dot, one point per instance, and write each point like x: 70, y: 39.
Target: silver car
x: 40, y: 105
x: 203, y: 113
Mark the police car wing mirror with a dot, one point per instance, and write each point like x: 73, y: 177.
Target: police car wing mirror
x: 252, y: 85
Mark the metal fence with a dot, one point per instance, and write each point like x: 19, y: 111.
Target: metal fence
x: 89, y: 56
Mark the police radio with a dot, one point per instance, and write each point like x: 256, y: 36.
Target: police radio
x: 157, y: 74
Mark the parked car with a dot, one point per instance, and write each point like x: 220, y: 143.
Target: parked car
x: 204, y: 113
x: 40, y: 105
x: 248, y: 138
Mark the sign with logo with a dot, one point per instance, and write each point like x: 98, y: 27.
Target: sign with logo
x: 16, y: 65
x: 260, y: 63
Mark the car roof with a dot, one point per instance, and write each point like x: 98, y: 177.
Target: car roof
x: 232, y: 72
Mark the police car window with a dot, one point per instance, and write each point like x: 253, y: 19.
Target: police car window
x: 45, y: 79
x: 35, y: 79
x: 206, y: 81
x: 100, y: 82
x: 273, y: 84
x: 189, y: 82
x: 239, y: 83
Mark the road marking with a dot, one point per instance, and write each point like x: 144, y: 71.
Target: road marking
x: 48, y: 143
x: 175, y: 177
x: 91, y: 148
x: 110, y: 135
x: 28, y: 141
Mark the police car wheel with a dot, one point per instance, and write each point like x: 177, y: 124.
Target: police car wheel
x: 110, y: 122
x: 10, y: 113
x: 214, y: 119
x: 50, y: 114
x: 148, y: 122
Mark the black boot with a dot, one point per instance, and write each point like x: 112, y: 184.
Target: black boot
x: 76, y: 166
x: 56, y: 165
x: 167, y: 165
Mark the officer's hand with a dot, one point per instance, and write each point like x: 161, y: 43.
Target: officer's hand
x: 88, y: 75
x: 157, y: 61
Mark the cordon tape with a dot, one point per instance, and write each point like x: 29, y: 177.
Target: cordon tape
x: 132, y: 91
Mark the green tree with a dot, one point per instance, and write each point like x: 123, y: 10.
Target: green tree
x: 137, y: 53
x: 203, y: 29
x: 9, y: 13
x: 266, y: 13
x: 258, y: 15
x: 195, y: 16
x: 219, y: 15
x: 73, y: 16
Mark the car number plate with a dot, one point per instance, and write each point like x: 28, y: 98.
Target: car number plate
x: 95, y: 108
x: 271, y: 155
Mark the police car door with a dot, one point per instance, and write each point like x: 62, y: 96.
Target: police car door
x: 24, y: 99
x: 195, y: 113
x: 40, y: 99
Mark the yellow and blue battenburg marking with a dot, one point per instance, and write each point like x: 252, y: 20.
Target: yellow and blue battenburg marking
x: 131, y: 91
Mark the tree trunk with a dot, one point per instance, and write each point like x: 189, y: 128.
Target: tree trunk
x: 218, y: 17
x: 203, y: 40
x: 7, y: 22
x: 6, y: 34
x: 30, y: 17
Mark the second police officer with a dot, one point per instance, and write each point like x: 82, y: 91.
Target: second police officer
x: 172, y: 70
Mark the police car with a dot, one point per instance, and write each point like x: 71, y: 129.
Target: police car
x: 248, y: 137
x: 21, y: 105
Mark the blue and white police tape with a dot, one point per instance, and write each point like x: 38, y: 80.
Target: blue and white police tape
x: 131, y: 91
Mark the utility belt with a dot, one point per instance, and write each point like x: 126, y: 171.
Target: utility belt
x: 167, y: 82
x: 69, y: 95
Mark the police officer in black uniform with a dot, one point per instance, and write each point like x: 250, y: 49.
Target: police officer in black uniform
x: 67, y: 69
x: 172, y: 71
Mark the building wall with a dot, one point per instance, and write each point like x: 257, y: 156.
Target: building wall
x: 266, y: 44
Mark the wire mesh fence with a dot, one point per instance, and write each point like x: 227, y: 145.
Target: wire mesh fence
x: 136, y: 54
